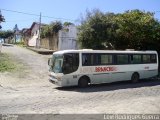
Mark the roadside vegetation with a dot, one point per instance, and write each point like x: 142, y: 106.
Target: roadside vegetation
x: 6, y: 63
x: 51, y: 29
x: 133, y: 29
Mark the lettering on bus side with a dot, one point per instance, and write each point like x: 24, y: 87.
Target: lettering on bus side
x: 105, y: 69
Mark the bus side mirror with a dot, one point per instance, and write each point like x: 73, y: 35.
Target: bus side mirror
x: 50, y: 63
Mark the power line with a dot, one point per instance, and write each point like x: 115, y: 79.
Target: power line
x: 20, y: 12
x: 19, y: 20
x: 26, y: 13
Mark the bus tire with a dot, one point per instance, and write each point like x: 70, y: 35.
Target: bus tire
x: 83, y: 82
x: 135, y: 77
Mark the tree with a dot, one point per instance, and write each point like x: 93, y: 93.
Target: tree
x: 6, y: 34
x: 67, y: 23
x: 51, y: 33
x: 133, y: 29
x: 1, y: 19
x: 51, y: 29
x: 96, y: 31
x: 136, y: 30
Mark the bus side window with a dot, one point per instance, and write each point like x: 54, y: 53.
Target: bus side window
x: 135, y: 59
x: 75, y: 61
x: 88, y: 59
x: 146, y: 59
x: 105, y: 59
x: 131, y: 58
x: 84, y: 60
x: 153, y: 58
x: 70, y: 63
x: 122, y: 59
x: 67, y: 63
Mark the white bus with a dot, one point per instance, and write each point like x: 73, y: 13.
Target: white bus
x: 84, y: 67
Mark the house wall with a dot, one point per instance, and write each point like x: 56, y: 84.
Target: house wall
x: 35, y: 30
x: 65, y: 39
x: 34, y: 35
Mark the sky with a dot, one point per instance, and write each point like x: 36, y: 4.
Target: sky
x: 65, y: 10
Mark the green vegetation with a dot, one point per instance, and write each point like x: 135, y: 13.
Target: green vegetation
x: 2, y: 19
x: 51, y: 29
x: 6, y: 63
x: 133, y: 29
x: 67, y: 23
x: 6, y: 34
x: 21, y: 44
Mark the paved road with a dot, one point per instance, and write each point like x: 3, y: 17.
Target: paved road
x: 28, y: 91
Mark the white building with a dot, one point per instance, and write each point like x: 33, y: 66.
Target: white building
x: 34, y: 34
x: 68, y: 38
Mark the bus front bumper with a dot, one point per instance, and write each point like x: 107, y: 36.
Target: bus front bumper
x: 55, y: 81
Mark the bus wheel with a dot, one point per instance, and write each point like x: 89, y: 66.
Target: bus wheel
x: 83, y: 82
x: 135, y: 77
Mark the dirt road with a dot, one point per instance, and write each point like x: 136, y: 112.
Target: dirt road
x: 28, y: 91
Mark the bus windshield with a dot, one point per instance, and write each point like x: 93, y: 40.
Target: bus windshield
x: 57, y: 62
x: 66, y: 63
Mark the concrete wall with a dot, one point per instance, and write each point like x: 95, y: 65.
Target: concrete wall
x: 65, y: 39
x: 50, y: 42
x: 44, y: 43
x: 68, y: 38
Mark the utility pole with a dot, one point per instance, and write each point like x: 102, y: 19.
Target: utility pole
x: 39, y: 36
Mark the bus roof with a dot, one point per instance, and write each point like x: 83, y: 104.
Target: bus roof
x: 103, y: 51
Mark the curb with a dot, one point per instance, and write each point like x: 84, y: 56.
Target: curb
x: 41, y: 51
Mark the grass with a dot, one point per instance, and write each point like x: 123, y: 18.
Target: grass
x: 6, y: 63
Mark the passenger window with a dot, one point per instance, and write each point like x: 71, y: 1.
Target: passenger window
x: 146, y: 59
x: 105, y: 59
x: 87, y: 59
x: 153, y: 59
x: 122, y: 59
x: 136, y: 59
x: 75, y: 61
x: 70, y: 63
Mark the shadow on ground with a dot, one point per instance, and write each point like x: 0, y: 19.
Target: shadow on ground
x: 7, y: 45
x: 113, y: 86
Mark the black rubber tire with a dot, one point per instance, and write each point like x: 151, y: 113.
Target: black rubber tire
x: 83, y: 82
x: 135, y: 77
